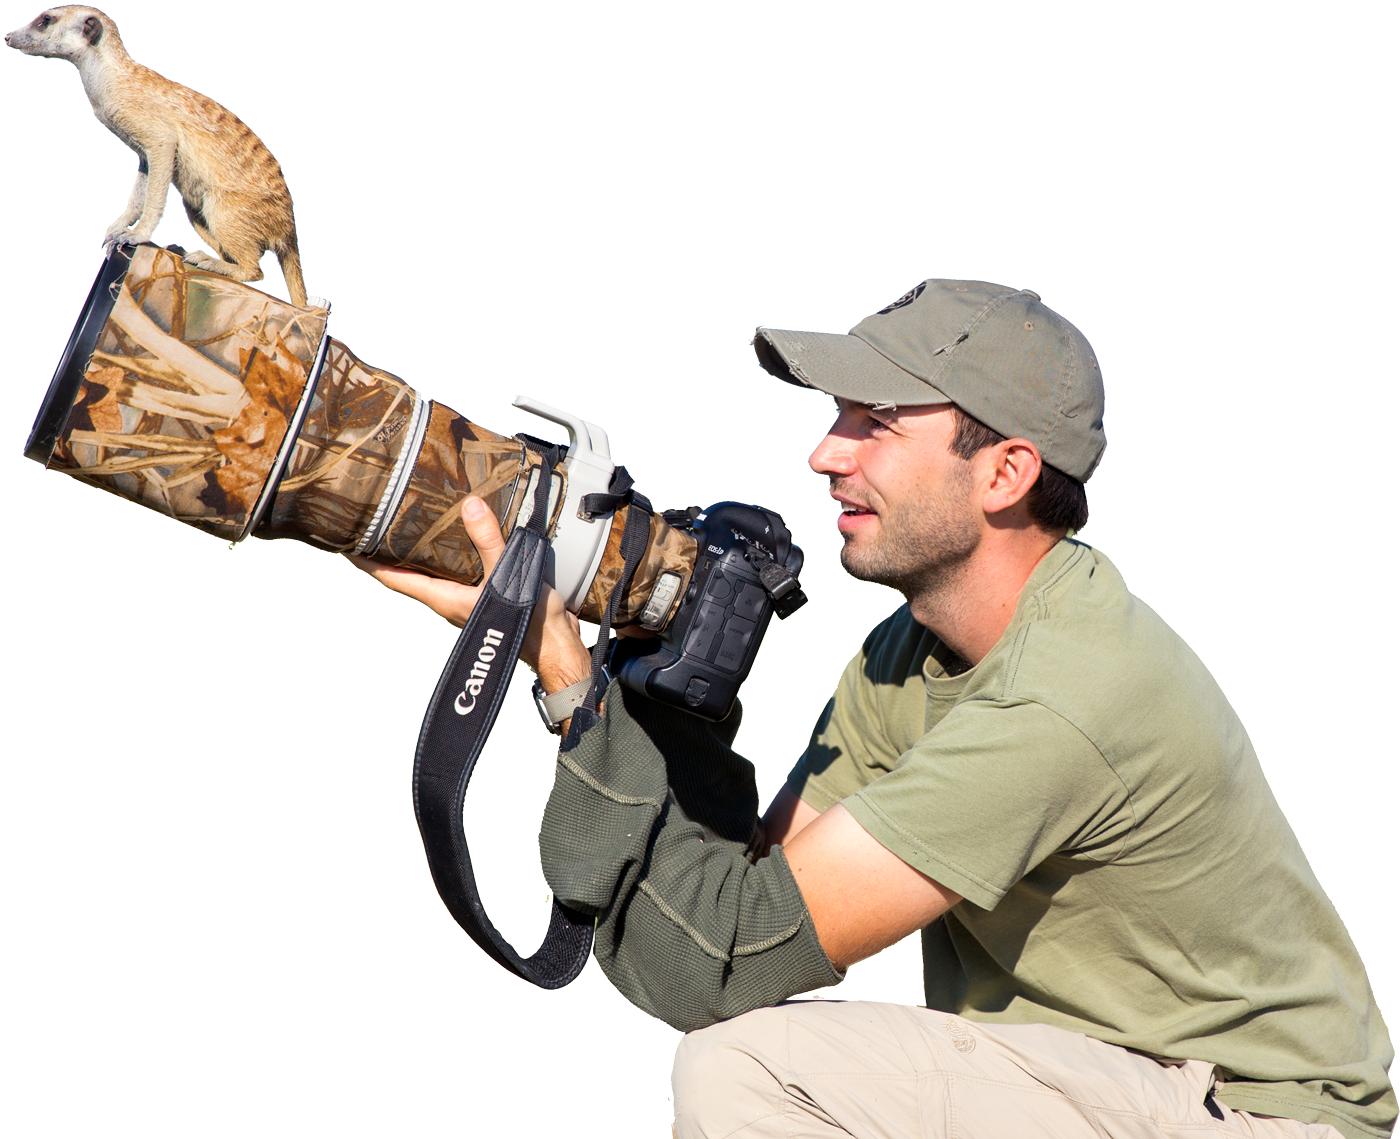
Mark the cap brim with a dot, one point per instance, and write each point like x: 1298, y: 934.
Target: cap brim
x: 840, y: 365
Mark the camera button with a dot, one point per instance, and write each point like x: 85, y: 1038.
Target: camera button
x: 700, y: 640
x: 751, y: 602
x: 719, y: 587
x: 734, y: 646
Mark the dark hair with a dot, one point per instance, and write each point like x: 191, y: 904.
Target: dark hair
x: 1056, y: 502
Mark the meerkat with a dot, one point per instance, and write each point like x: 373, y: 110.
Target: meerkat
x: 233, y: 189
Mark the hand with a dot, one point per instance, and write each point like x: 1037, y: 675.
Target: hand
x: 552, y: 645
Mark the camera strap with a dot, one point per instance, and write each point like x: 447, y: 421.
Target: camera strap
x: 459, y: 719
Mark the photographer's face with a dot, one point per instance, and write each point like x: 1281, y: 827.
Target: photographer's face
x: 908, y: 514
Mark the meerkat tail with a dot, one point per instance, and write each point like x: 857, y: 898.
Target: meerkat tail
x: 290, y: 261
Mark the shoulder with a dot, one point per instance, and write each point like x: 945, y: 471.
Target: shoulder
x: 1103, y: 659
x: 1082, y: 627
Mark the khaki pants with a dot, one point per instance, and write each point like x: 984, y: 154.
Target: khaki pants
x: 825, y: 1068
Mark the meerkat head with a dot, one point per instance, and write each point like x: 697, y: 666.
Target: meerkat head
x: 69, y: 31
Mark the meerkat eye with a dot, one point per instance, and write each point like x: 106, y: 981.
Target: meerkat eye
x: 43, y: 21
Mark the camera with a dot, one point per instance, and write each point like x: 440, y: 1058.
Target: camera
x: 746, y: 570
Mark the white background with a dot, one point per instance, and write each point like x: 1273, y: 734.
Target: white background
x: 218, y: 917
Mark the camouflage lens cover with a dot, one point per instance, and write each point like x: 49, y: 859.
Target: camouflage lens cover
x: 183, y: 403
x: 351, y: 441
x: 187, y: 396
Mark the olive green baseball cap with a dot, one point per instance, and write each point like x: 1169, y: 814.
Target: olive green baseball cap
x: 998, y: 353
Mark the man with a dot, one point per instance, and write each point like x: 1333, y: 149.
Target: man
x: 1120, y: 933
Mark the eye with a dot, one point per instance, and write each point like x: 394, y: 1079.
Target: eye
x: 43, y: 21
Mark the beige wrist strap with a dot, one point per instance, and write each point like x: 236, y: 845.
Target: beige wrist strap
x: 557, y: 707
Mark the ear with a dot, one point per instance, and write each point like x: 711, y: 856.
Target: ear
x: 1014, y: 468
x: 92, y: 30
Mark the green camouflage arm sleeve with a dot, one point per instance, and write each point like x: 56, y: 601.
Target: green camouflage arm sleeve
x: 650, y: 826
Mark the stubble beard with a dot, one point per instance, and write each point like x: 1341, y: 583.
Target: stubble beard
x: 919, y: 548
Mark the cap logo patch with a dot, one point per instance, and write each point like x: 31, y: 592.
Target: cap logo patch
x: 907, y: 299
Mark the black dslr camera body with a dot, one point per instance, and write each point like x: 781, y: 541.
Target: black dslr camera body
x: 746, y: 570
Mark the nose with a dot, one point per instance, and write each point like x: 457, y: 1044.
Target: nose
x: 832, y: 456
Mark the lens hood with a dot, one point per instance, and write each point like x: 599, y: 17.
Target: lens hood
x: 63, y: 388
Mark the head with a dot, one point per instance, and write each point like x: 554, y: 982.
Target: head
x: 66, y: 32
x: 923, y: 489
x: 969, y: 416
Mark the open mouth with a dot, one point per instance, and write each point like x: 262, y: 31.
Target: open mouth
x: 852, y: 516
x: 849, y: 508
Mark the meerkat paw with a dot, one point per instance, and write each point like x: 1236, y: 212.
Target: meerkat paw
x: 127, y: 237
x: 201, y: 259
x: 117, y: 233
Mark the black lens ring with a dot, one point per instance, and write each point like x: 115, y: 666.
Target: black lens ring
x: 63, y: 388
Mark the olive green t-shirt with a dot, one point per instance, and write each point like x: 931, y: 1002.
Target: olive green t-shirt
x: 1126, y: 871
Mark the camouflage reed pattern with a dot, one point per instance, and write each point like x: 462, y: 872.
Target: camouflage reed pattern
x: 460, y: 457
x: 457, y: 458
x: 352, y: 438
x: 668, y: 549
x: 187, y: 399
x: 340, y: 462
x: 188, y: 395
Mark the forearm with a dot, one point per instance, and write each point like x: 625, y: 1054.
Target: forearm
x: 658, y: 845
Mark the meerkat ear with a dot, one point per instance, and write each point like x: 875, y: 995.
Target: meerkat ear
x: 92, y: 30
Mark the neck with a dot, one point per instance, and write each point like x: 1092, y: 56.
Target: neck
x: 970, y: 609
x: 98, y: 65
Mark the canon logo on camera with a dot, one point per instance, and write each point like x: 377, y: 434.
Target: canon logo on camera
x: 480, y: 671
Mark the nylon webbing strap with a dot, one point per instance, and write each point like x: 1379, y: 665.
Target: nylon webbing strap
x: 618, y: 495
x: 463, y: 709
x: 636, y: 532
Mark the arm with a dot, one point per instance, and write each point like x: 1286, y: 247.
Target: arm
x: 651, y: 827
x: 661, y: 845
x: 552, y: 646
x: 786, y: 815
x: 658, y: 845
x: 861, y: 897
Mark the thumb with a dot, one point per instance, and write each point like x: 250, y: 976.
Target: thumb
x: 484, y: 530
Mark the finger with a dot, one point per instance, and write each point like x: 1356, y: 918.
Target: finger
x: 449, y: 599
x: 484, y: 530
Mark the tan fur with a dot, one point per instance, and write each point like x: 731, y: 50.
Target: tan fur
x: 233, y: 189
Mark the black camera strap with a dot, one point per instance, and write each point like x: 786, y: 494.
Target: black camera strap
x: 459, y: 719
x: 636, y: 533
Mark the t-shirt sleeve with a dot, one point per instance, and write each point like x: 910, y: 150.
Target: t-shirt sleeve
x: 997, y: 787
